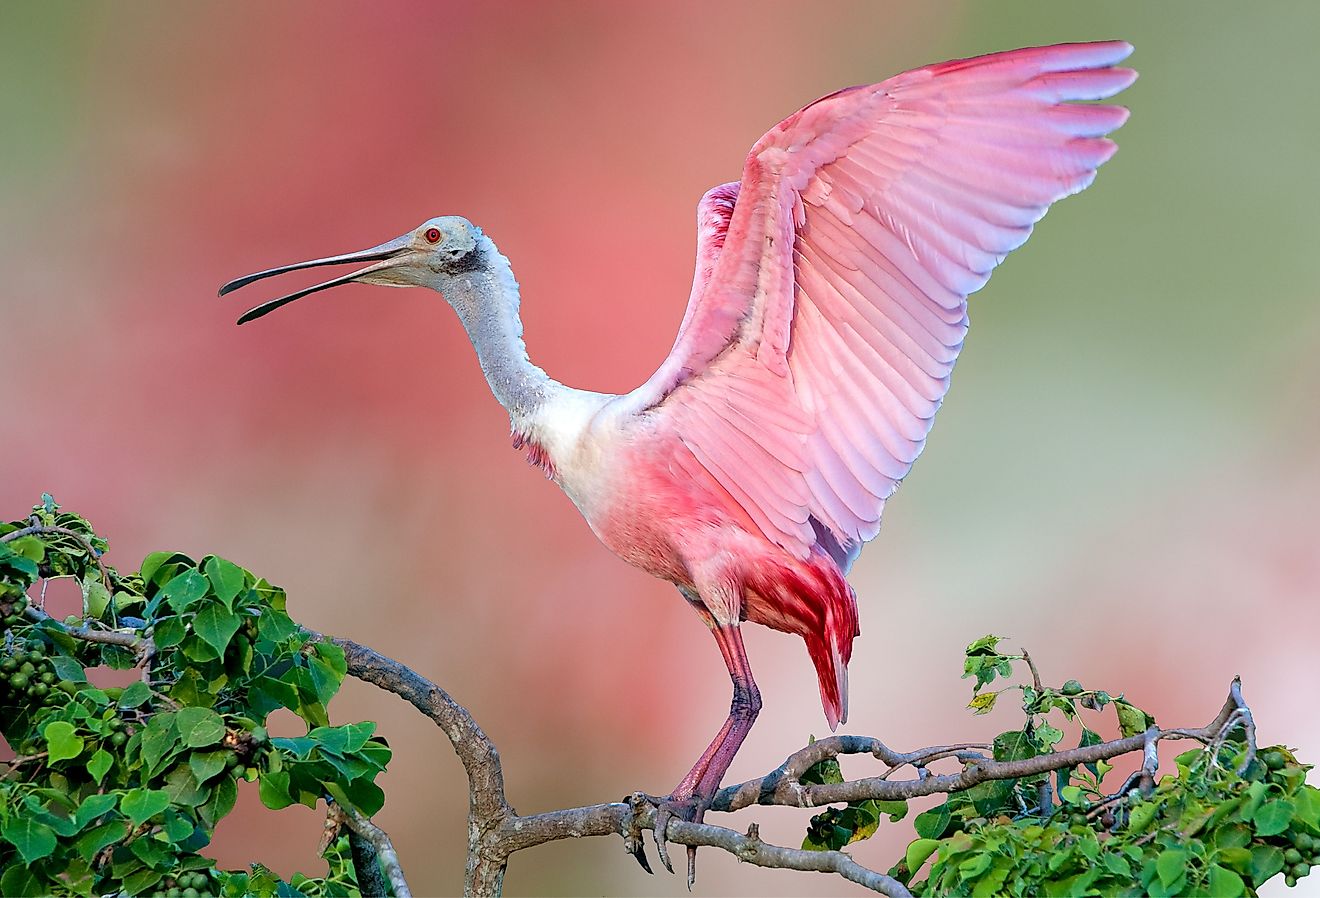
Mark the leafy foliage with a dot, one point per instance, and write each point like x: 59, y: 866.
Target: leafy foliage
x: 118, y: 790
x: 1206, y: 830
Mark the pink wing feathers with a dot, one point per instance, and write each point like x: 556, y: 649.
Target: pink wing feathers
x: 830, y: 301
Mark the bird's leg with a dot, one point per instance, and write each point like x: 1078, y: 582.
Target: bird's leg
x: 694, y: 793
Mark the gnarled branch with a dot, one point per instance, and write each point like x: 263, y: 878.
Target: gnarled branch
x: 496, y: 831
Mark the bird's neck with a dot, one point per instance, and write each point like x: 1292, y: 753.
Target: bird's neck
x: 486, y: 300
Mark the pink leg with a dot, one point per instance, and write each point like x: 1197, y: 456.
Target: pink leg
x: 693, y: 795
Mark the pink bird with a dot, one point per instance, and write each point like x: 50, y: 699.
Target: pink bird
x: 827, y: 310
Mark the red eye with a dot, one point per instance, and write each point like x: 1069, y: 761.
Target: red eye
x: 432, y: 235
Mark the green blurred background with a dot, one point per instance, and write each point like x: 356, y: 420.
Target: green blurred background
x: 1124, y: 477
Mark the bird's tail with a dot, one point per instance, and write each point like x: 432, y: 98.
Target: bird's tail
x: 831, y: 650
x: 813, y: 600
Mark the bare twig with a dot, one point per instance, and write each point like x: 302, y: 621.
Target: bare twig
x: 37, y: 528
x: 487, y: 807
x: 1035, y: 674
x: 128, y: 639
x: 382, y: 847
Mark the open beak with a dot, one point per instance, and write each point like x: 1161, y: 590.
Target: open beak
x: 387, y: 255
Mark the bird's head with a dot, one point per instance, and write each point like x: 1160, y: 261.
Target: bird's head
x: 424, y: 257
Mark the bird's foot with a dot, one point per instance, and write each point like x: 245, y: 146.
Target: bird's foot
x: 689, y: 808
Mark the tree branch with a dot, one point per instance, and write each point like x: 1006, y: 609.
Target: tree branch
x: 496, y: 831
x: 381, y: 848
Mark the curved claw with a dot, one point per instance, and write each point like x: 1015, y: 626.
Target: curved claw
x: 663, y: 814
x: 633, y: 840
x: 691, y: 810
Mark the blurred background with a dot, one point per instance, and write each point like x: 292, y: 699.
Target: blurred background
x: 1124, y: 478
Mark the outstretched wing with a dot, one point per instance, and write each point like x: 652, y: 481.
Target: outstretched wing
x: 830, y: 300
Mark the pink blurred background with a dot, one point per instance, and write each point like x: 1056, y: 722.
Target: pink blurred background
x: 1123, y: 479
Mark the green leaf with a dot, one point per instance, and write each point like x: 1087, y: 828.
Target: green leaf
x: 1014, y: 745
x: 158, y: 560
x: 182, y: 788
x: 207, y: 764
x: 933, y: 823
x: 368, y: 798
x: 1225, y: 883
x: 986, y: 645
x: 29, y: 547
x: 169, y: 632
x: 70, y: 669
x: 185, y: 590
x: 1308, y: 805
x: 96, y: 598
x: 177, y: 827
x: 227, y: 578
x: 20, y: 882
x: 139, y: 805
x: 1233, y: 835
x: 62, y: 741
x: 159, y: 739
x: 825, y: 770
x: 974, y: 866
x: 1273, y: 817
x: 199, y: 727
x: 275, y: 625
x: 94, y: 806
x: 1170, y: 864
x: 1071, y: 794
x: 135, y: 694
x: 274, y: 789
x: 1117, y: 864
x: 1142, y: 816
x: 140, y: 881
x: 918, y: 852
x: 1047, y: 736
x: 1266, y: 861
x: 100, y: 764
x: 896, y: 809
x: 151, y: 852
x: 90, y: 843
x: 1131, y: 719
x: 217, y: 625
x: 223, y: 796
x: 32, y: 839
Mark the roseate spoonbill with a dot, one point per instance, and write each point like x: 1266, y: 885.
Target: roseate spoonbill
x: 828, y: 307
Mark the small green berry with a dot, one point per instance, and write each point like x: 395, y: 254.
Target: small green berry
x: 18, y: 681
x: 1292, y: 856
x: 1290, y: 881
x: 1072, y: 687
x: 48, y: 677
x: 118, y: 738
